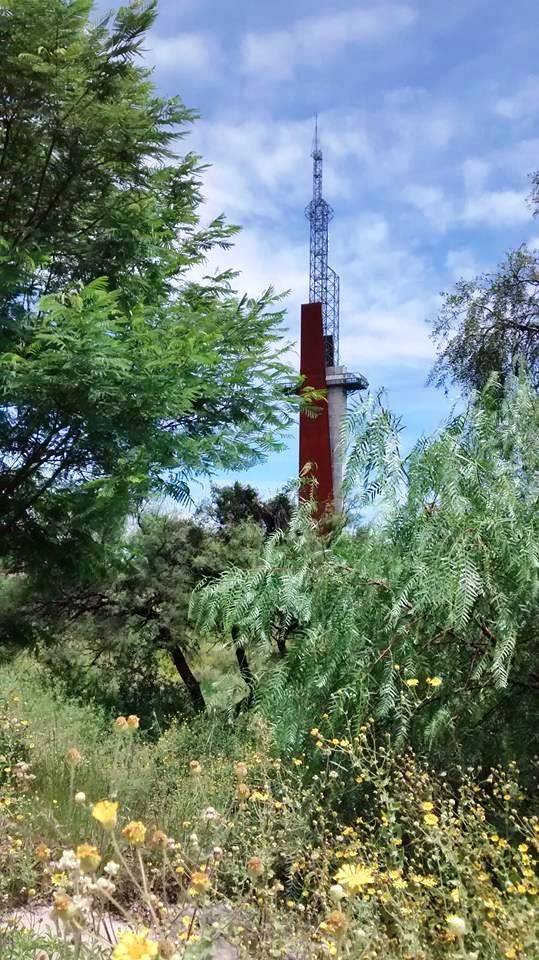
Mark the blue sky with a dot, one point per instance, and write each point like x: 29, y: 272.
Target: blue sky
x: 429, y: 125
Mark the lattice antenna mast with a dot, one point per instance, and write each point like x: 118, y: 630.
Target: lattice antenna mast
x: 323, y: 281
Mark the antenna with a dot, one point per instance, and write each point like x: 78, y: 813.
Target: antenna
x: 316, y: 142
x: 323, y: 281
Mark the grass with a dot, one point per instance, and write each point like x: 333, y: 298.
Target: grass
x: 27, y: 945
x: 348, y: 850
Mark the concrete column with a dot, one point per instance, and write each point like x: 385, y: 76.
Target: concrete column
x: 336, y: 387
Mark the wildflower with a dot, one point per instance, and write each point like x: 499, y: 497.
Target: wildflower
x: 257, y: 795
x: 333, y: 775
x: 89, y: 857
x: 315, y: 732
x: 240, y: 770
x: 523, y: 847
x: 412, y: 682
x: 134, y: 833
x: 200, y: 883
x: 135, y: 946
x: 159, y: 839
x: 456, y: 925
x: 121, y: 724
x: 103, y: 887
x: 336, y: 923
x: 195, y: 768
x: 336, y: 893
x: 242, y: 791
x: 111, y: 868
x: 210, y: 814
x: 133, y: 721
x: 62, y: 905
x: 217, y: 853
x: 42, y: 852
x: 297, y: 761
x: 68, y: 861
x: 354, y: 877
x: 59, y: 879
x: 430, y: 819
x: 73, y: 756
x: 167, y: 950
x: 427, y: 806
x: 80, y: 798
x: 106, y: 813
x: 255, y: 868
x: 434, y: 681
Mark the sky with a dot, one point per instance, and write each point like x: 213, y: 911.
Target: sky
x: 428, y: 122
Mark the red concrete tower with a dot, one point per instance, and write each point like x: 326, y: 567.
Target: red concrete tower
x: 314, y: 438
x: 320, y: 453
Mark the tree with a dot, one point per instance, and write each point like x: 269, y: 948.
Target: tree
x: 121, y: 639
x: 111, y: 389
x: 241, y: 503
x: 428, y: 624
x: 490, y: 324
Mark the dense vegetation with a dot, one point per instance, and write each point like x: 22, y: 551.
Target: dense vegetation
x: 241, y: 725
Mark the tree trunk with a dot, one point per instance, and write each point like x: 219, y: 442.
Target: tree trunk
x: 187, y: 675
x: 245, y: 670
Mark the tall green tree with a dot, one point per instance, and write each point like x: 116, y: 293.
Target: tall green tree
x: 118, y: 376
x: 490, y: 324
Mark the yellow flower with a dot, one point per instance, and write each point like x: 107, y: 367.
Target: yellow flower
x: 121, y: 724
x: 336, y: 923
x: 135, y: 833
x: 42, y: 852
x: 133, y: 721
x: 106, y: 813
x: 89, y: 857
x: 135, y: 946
x: 200, y: 883
x: 62, y: 905
x: 430, y: 819
x: 523, y: 847
x: 434, y: 681
x: 427, y: 806
x: 412, y: 682
x: 353, y: 877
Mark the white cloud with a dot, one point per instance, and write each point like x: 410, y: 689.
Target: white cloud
x: 462, y: 264
x: 521, y: 104
x: 185, y: 53
x: 388, y: 292
x: 437, y: 208
x: 313, y: 40
x: 496, y: 208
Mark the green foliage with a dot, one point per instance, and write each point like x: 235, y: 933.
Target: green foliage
x: 240, y: 503
x: 111, y: 389
x: 490, y: 324
x: 443, y: 588
x: 126, y: 642
x: 87, y: 186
